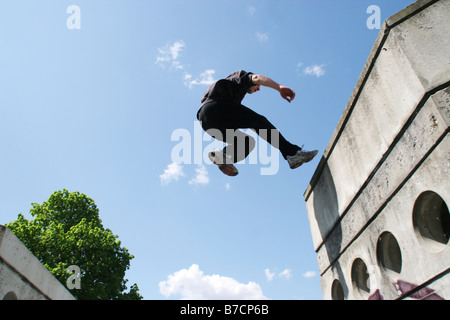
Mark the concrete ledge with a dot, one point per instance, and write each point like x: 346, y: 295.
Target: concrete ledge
x: 387, y: 96
x: 419, y: 139
x: 408, y: 12
x: 388, y: 25
x: 419, y: 264
x: 22, y: 275
x: 390, y: 149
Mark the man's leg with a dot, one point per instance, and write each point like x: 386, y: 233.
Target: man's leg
x: 239, y: 144
x: 294, y: 155
x: 223, y: 116
x: 247, y: 118
x: 219, y: 121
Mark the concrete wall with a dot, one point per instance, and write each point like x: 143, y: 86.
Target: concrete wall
x: 378, y: 201
x: 22, y: 276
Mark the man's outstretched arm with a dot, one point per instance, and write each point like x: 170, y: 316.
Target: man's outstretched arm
x: 285, y: 92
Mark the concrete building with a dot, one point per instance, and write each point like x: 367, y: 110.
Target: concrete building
x: 378, y: 201
x: 22, y: 276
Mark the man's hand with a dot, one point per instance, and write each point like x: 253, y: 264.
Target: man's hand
x: 287, y: 94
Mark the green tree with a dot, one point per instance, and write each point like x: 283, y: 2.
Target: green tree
x: 66, y: 231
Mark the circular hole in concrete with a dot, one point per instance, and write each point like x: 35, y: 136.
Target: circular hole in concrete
x: 10, y: 296
x: 389, y: 255
x: 431, y: 220
x: 337, y: 292
x: 360, y: 277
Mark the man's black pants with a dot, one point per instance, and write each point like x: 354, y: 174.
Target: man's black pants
x: 223, y: 119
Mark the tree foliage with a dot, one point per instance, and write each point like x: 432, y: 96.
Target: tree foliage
x: 66, y: 230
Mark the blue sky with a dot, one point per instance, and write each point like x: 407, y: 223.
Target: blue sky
x: 94, y: 109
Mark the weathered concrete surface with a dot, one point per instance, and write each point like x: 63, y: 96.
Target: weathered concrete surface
x: 419, y: 263
x: 395, y: 123
x: 22, y: 276
x: 416, y: 141
x: 425, y: 40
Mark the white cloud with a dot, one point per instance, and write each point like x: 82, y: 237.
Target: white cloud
x: 315, y: 70
x: 269, y: 275
x: 176, y: 48
x: 201, y: 177
x: 312, y: 70
x: 172, y: 173
x: 227, y: 186
x: 309, y: 274
x: 169, y: 55
x: 286, y: 273
x: 262, y: 37
x: 192, y: 284
x: 251, y: 10
x: 206, y: 78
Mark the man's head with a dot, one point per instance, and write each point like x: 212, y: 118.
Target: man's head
x: 253, y: 89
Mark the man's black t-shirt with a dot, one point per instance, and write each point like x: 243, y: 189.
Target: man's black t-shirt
x: 232, y: 88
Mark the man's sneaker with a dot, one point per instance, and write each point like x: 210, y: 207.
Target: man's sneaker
x: 300, y: 158
x: 224, y: 162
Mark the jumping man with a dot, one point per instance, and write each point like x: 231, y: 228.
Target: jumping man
x: 222, y: 112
